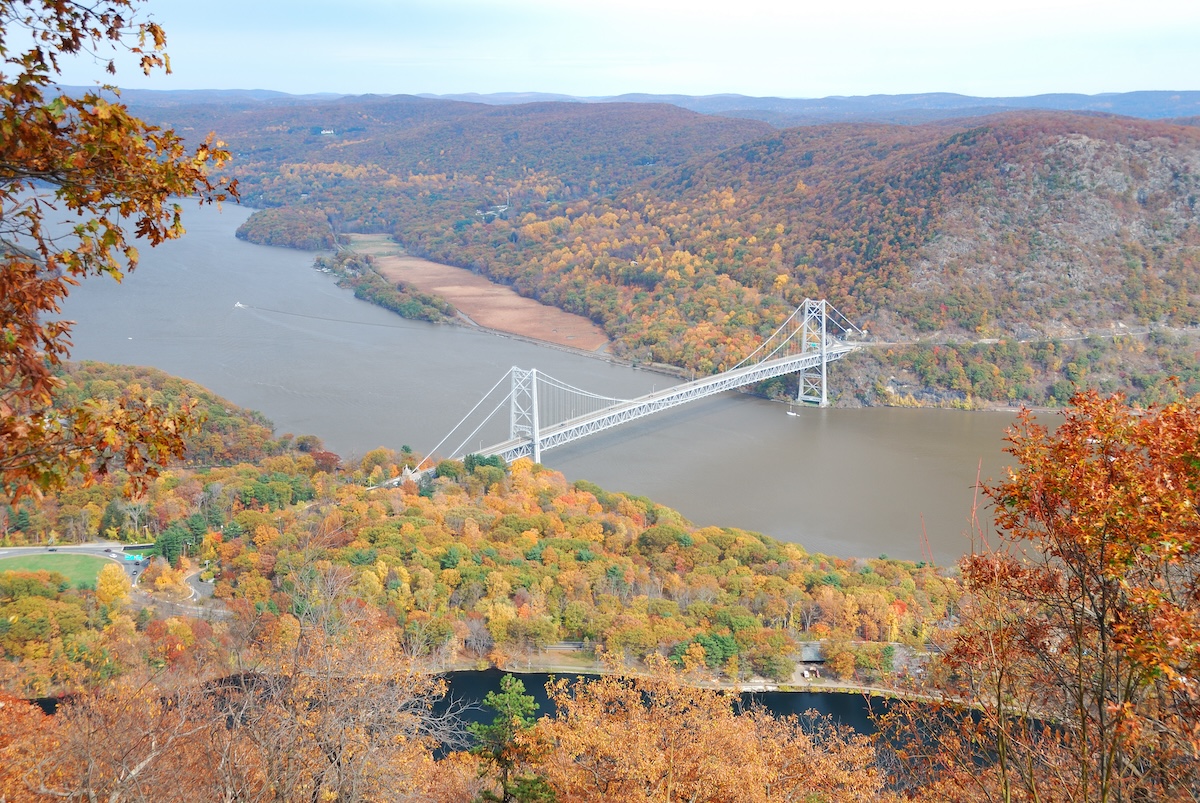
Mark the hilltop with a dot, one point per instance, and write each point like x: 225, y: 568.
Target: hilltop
x: 905, y: 109
x: 1000, y: 242
x: 782, y: 112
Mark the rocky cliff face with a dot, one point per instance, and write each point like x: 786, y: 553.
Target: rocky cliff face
x: 1081, y: 223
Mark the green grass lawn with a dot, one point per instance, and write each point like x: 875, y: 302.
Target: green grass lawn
x: 77, y: 568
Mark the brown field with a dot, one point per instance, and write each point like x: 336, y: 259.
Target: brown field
x: 483, y: 302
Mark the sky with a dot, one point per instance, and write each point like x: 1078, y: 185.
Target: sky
x: 786, y: 48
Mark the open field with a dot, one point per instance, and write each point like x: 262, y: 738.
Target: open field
x: 77, y: 568
x: 482, y: 301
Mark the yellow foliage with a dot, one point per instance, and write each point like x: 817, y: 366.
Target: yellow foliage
x: 367, y: 586
x: 112, y: 585
x: 264, y: 536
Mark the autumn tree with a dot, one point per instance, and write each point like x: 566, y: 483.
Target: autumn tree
x: 112, y: 586
x: 1073, y: 674
x: 20, y: 723
x: 332, y: 707
x: 80, y: 180
x: 343, y: 717
x: 127, y: 742
x: 662, y: 738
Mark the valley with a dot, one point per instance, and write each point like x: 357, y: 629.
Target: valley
x: 997, y: 241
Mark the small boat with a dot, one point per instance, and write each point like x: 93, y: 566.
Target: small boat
x: 792, y: 412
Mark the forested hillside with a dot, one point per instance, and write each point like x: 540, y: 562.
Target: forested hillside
x: 289, y: 227
x: 1001, y: 242
x: 226, y: 433
x: 478, y: 562
x: 341, y: 597
x: 483, y: 564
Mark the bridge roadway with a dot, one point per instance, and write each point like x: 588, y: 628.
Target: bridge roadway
x: 622, y: 412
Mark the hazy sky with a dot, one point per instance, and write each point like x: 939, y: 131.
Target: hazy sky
x: 755, y: 47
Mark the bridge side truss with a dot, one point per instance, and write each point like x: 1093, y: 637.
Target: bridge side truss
x: 522, y: 445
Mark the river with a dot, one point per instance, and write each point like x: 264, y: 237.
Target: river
x: 853, y: 482
x: 852, y: 710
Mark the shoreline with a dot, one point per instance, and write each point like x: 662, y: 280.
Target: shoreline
x: 796, y: 684
x: 496, y: 309
x: 604, y: 356
x: 482, y: 302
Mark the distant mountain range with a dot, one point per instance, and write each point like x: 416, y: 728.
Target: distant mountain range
x: 780, y: 112
x: 919, y: 108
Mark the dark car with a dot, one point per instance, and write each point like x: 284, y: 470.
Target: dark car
x: 51, y: 549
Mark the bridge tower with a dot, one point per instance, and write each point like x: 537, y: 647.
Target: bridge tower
x: 523, y: 409
x: 813, y: 335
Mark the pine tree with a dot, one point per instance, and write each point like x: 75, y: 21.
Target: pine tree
x: 506, y: 746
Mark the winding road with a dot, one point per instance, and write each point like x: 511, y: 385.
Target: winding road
x: 198, y: 603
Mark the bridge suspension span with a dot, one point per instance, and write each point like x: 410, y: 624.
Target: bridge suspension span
x: 544, y: 412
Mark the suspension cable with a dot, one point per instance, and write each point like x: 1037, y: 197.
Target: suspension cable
x: 559, y: 384
x: 486, y: 419
x: 763, y: 344
x: 482, y: 399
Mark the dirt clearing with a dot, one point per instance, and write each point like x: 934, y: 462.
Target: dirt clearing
x: 483, y: 302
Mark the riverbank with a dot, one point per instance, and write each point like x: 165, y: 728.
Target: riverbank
x: 571, y: 661
x: 482, y: 302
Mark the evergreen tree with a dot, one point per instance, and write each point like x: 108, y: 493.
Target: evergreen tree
x: 112, y: 519
x: 507, y: 745
x: 172, y: 542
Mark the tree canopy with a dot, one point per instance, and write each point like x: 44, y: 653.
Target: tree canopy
x: 1073, y: 668
x: 81, y: 179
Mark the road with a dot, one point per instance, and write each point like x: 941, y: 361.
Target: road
x: 102, y: 549
x: 198, y: 603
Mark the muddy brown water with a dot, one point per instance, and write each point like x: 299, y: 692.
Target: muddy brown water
x: 259, y: 326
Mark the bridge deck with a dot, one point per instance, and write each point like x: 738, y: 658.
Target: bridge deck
x: 651, y: 403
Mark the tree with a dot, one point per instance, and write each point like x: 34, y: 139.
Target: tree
x: 172, y: 542
x: 112, y: 585
x: 662, y: 738
x: 341, y: 718
x: 126, y: 742
x: 505, y: 745
x: 86, y: 158
x: 1074, y: 669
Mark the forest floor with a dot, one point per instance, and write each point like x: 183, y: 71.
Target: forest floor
x: 481, y: 301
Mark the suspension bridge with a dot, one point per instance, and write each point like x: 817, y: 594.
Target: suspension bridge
x: 544, y: 413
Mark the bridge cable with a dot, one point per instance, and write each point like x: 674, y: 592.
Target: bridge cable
x: 486, y: 419
x: 763, y: 344
x: 559, y: 384
x: 482, y: 399
x: 564, y: 402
